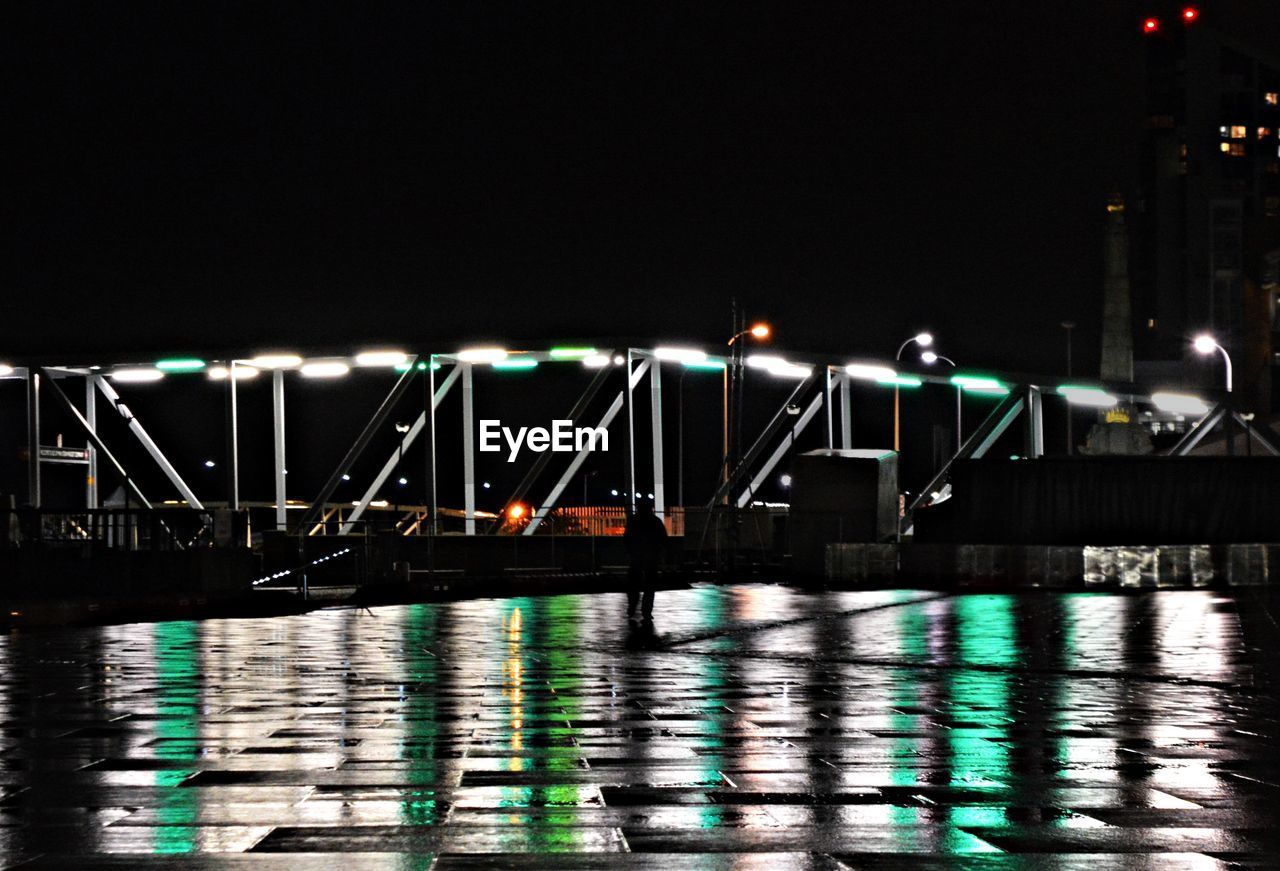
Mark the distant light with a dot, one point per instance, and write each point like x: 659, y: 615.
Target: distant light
x: 900, y: 381
x: 924, y: 340
x: 346, y: 477
x: 618, y: 359
x: 705, y: 365
x: 777, y: 366
x: 486, y: 485
x: 929, y: 357
x: 276, y: 361
x: 760, y: 331
x: 869, y: 373
x: 613, y: 492
x: 1190, y: 14
x: 1205, y: 344
x: 790, y: 370
x: 381, y: 358
x: 379, y: 503
x: 209, y: 464
x: 135, y: 376
x: 1150, y: 25
x: 421, y: 366
x: 650, y: 495
x: 325, y: 369
x: 516, y: 511
x: 1091, y: 396
x: 572, y: 353
x: 516, y: 363
x: 680, y: 355
x: 219, y: 373
x: 1180, y: 403
x: 403, y: 481
x: 481, y: 355
x: 5, y: 369
x: 764, y: 361
x: 180, y: 364
x: 595, y: 361
x: 785, y: 480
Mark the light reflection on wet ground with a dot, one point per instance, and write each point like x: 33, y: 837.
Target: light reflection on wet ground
x: 755, y: 727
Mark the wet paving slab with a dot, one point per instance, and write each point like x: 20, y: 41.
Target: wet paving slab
x: 752, y: 726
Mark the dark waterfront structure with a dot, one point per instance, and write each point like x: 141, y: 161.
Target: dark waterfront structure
x: 757, y: 727
x: 1207, y: 241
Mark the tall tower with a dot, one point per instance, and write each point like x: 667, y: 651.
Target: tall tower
x: 1117, y: 319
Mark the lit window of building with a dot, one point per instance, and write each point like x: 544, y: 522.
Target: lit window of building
x: 1264, y: 132
x: 1239, y: 131
x: 1271, y: 98
x: 1235, y: 149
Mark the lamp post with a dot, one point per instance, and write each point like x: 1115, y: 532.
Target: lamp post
x: 931, y: 357
x: 758, y: 331
x: 1206, y: 344
x: 924, y: 340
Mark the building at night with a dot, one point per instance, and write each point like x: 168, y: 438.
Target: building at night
x: 1206, y: 229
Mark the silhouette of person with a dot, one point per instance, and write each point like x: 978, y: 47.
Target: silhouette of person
x: 645, y: 538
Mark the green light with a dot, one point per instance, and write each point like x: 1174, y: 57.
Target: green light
x: 571, y: 353
x: 516, y: 363
x: 421, y: 367
x: 181, y: 364
x: 705, y: 365
x: 900, y: 381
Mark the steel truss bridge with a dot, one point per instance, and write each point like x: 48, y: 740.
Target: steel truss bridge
x: 616, y: 379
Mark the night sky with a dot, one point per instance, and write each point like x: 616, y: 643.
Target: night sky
x: 219, y: 177
x: 212, y: 176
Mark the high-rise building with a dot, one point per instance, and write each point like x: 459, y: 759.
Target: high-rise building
x: 1206, y: 230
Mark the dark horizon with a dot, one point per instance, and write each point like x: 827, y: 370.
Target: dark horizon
x: 235, y: 177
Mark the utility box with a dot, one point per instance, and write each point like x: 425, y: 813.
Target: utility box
x: 840, y: 496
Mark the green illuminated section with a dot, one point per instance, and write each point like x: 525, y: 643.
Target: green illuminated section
x: 705, y: 365
x: 900, y: 381
x: 180, y: 364
x: 979, y: 384
x: 516, y: 363
x: 421, y: 366
x: 572, y: 353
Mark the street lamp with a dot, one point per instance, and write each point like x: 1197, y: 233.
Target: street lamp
x: 924, y: 340
x: 759, y: 331
x: 932, y: 357
x: 1205, y: 344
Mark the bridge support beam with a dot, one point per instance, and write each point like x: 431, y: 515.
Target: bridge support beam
x: 94, y: 437
x: 277, y: 440
x: 468, y: 449
x: 394, y: 460
x: 135, y: 427
x: 33, y: 438
x: 91, y: 418
x: 549, y: 503
x: 655, y: 405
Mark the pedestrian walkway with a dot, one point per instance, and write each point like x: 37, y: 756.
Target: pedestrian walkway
x: 753, y: 726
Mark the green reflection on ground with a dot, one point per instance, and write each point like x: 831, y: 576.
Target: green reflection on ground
x: 177, y: 663
x: 985, y: 636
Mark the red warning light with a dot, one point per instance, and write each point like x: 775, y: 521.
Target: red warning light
x: 1150, y: 25
x: 1190, y: 14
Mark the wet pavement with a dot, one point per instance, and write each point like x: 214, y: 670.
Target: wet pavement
x: 752, y: 727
